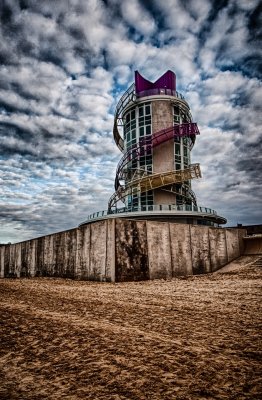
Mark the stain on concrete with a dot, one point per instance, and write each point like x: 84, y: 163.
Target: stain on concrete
x: 110, y: 251
x: 98, y: 237
x: 218, y: 248
x: 131, y: 251
x: 200, y: 249
x: 8, y: 272
x: 83, y: 252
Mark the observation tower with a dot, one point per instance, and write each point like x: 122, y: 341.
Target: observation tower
x: 154, y: 130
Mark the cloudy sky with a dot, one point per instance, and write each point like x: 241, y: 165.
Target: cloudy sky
x: 63, y: 67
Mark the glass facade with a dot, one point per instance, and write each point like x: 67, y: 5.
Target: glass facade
x: 182, y: 157
x: 137, y: 126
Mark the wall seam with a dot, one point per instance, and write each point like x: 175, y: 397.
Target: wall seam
x: 226, y: 244
x: 147, y: 247
x: 171, y: 255
x: 76, y: 254
x: 1, y: 262
x: 190, y: 238
x: 89, y: 252
x: 103, y: 276
x: 113, y: 261
x: 147, y: 252
x: 209, y: 251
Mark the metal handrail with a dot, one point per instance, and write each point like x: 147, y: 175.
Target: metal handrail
x: 161, y: 91
x: 130, y: 96
x: 145, y: 182
x: 150, y: 208
x: 148, y: 142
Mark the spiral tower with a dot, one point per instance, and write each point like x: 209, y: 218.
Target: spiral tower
x: 154, y: 129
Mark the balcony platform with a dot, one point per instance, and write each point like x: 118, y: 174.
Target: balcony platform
x: 166, y: 213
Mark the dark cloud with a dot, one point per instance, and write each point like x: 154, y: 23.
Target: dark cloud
x: 6, y: 13
x: 255, y: 22
x: 64, y: 65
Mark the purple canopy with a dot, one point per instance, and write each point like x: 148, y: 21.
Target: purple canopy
x: 166, y: 81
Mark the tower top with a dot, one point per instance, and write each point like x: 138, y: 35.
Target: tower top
x: 166, y: 81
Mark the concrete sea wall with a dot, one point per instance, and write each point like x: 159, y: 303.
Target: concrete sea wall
x: 118, y: 250
x: 253, y: 245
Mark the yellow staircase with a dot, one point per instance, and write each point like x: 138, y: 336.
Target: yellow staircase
x: 154, y: 181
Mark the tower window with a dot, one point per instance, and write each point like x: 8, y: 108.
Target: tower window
x: 148, y: 130
x: 176, y: 115
x: 141, y: 111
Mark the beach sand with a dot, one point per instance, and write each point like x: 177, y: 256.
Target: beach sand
x: 195, y: 337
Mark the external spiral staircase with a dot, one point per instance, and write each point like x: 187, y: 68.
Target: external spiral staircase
x: 141, y: 181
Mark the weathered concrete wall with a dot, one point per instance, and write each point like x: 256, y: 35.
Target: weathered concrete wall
x: 241, y: 234
x: 83, y: 253
x: 233, y: 244
x: 200, y: 249
x: 123, y: 250
x: 253, y: 245
x: 180, y: 242
x: 131, y: 251
x: 218, y: 248
x: 110, y: 250
x: 159, y: 250
x: 26, y: 258
x: 173, y: 249
x: 2, y: 261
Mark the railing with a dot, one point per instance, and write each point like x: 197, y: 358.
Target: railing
x: 144, y: 182
x: 157, y: 91
x: 145, y: 145
x: 130, y: 96
x: 158, y: 208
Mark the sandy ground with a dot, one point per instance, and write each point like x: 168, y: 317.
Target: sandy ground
x: 187, y: 338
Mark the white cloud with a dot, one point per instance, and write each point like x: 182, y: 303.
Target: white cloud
x: 137, y: 17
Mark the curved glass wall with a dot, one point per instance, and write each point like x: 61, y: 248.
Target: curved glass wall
x: 182, y: 157
x: 138, y: 125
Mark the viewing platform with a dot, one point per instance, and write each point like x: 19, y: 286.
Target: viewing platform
x: 171, y: 212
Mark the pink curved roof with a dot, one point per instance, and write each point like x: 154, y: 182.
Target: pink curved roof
x: 166, y: 81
